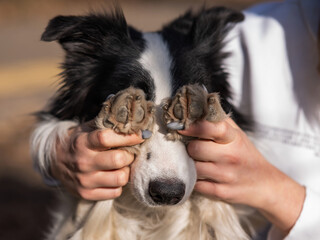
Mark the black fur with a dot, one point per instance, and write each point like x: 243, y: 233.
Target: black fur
x: 196, y: 42
x: 102, y: 53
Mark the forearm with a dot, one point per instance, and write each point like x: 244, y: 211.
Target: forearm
x: 283, y: 203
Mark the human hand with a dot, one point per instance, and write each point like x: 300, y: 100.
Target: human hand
x: 88, y: 166
x: 230, y: 168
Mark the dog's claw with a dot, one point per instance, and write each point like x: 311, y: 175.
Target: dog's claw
x: 175, y: 126
x: 146, y: 134
x: 109, y: 96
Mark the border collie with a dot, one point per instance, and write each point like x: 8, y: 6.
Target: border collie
x: 158, y: 82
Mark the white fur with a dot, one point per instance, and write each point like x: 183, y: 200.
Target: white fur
x: 170, y: 160
x: 157, y: 60
x: 125, y: 218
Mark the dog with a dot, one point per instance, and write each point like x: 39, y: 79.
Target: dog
x: 158, y: 83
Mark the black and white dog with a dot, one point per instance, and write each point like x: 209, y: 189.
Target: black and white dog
x: 157, y: 82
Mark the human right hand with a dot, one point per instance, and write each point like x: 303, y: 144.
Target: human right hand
x: 88, y: 165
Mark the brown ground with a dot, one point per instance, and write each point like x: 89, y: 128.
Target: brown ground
x: 28, y: 70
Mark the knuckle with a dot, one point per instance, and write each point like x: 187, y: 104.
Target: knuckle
x: 101, y: 137
x: 222, y: 128
x: 84, y: 193
x: 231, y: 158
x: 78, y: 143
x: 118, y: 159
x: 83, y: 181
x: 221, y: 192
x: 83, y: 165
x: 229, y: 177
x: 122, y: 178
x: 115, y: 193
x: 193, y: 148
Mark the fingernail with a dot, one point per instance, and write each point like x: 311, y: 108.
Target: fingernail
x: 146, y: 134
x: 175, y: 126
x: 109, y: 96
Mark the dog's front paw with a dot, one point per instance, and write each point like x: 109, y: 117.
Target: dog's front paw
x: 191, y: 103
x: 126, y: 112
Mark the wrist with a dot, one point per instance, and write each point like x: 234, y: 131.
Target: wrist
x: 284, y: 202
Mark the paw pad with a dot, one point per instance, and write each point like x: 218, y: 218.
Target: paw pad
x: 191, y: 103
x: 126, y: 112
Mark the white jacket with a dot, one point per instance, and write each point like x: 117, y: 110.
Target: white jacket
x: 273, y: 74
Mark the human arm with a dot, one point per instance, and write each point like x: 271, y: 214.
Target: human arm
x: 230, y: 168
x: 83, y: 159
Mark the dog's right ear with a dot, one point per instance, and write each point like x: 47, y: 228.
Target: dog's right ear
x: 74, y: 33
x: 59, y: 26
x: 87, y: 34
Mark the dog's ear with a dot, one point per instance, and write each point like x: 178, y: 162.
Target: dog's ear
x: 59, y: 27
x: 212, y: 25
x: 204, y: 29
x: 83, y: 33
x: 93, y: 45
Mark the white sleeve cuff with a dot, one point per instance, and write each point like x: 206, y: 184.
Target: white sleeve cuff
x: 43, y: 145
x: 308, y: 224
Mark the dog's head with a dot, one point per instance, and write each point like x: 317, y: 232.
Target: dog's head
x: 104, y: 55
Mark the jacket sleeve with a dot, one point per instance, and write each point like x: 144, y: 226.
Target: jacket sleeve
x: 307, y: 225
x: 43, y: 145
x: 246, y: 44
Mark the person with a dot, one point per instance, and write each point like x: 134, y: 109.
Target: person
x: 274, y: 78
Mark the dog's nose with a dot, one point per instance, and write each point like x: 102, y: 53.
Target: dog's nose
x: 166, y: 192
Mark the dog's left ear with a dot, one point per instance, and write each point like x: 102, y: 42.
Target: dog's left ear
x: 212, y: 25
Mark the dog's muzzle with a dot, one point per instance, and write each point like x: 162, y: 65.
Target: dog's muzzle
x: 166, y: 191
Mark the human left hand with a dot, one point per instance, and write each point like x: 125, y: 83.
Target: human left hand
x: 231, y: 168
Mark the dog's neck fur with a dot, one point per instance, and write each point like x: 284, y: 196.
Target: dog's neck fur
x: 126, y: 218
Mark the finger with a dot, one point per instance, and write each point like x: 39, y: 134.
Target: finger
x: 213, y: 190
x: 214, y: 173
x: 111, y: 160
x: 104, y: 179
x: 222, y: 132
x: 107, y: 138
x: 209, y: 151
x: 101, y: 161
x: 206, y: 188
x: 99, y: 194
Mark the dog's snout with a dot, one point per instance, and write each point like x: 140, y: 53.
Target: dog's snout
x: 166, y: 192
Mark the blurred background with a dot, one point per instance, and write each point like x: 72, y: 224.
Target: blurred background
x: 28, y: 77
